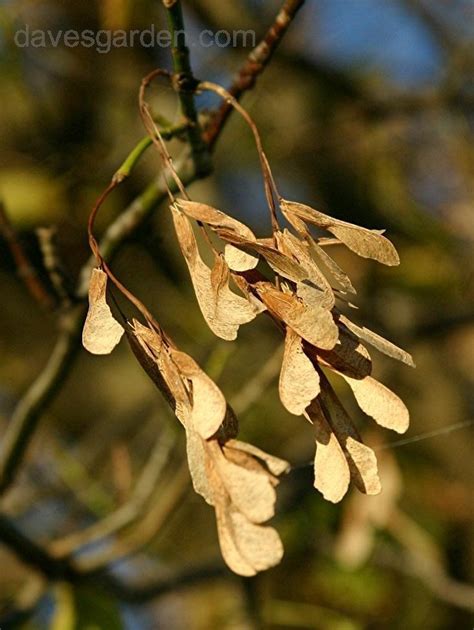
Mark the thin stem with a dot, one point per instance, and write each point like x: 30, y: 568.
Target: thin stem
x: 132, y: 159
x: 136, y: 153
x: 92, y: 217
x: 101, y: 262
x: 185, y: 84
x: 154, y: 132
x: 25, y: 418
x: 52, y: 262
x: 131, y: 297
x: 269, y: 182
x: 131, y: 219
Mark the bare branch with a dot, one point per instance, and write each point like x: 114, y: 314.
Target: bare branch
x: 185, y: 84
x: 255, y: 64
x: 56, y: 569
x: 33, y: 554
x: 53, y: 264
x: 26, y: 269
x: 26, y: 416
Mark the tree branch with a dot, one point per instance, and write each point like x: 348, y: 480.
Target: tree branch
x: 34, y: 556
x: 25, y: 418
x: 185, y: 85
x: 25, y: 268
x: 144, y: 593
x: 255, y: 64
x: 52, y: 262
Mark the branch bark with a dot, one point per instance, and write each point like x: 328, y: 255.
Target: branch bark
x: 255, y: 64
x: 185, y: 84
x: 25, y: 268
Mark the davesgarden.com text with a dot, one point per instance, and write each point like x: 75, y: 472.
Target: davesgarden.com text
x: 103, y: 41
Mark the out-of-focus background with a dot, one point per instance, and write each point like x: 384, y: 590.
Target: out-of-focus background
x: 367, y: 113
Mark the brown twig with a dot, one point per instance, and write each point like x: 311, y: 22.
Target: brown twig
x: 28, y: 411
x: 269, y: 182
x: 25, y: 268
x: 53, y: 265
x: 254, y: 65
x: 36, y: 557
x: 154, y: 132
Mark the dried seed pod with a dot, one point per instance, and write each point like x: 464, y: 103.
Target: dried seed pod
x: 313, y: 297
x: 247, y: 548
x: 208, y: 408
x: 223, y: 310
x: 364, y: 242
x: 154, y: 355
x: 378, y: 342
x: 331, y: 265
x: 348, y: 356
x: 234, y: 558
x: 291, y: 245
x: 197, y: 462
x: 315, y: 324
x: 281, y: 263
x: 250, y: 491
x: 224, y: 225
x: 299, y: 381
x: 275, y: 465
x: 361, y: 459
x: 239, y: 260
x: 380, y: 403
x: 101, y: 332
x: 243, y: 496
x: 331, y: 470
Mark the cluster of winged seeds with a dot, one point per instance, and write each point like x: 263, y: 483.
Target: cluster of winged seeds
x: 236, y: 478
x: 302, y: 298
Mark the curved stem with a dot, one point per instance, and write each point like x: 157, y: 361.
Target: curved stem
x: 154, y: 132
x: 269, y: 181
x: 101, y: 262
